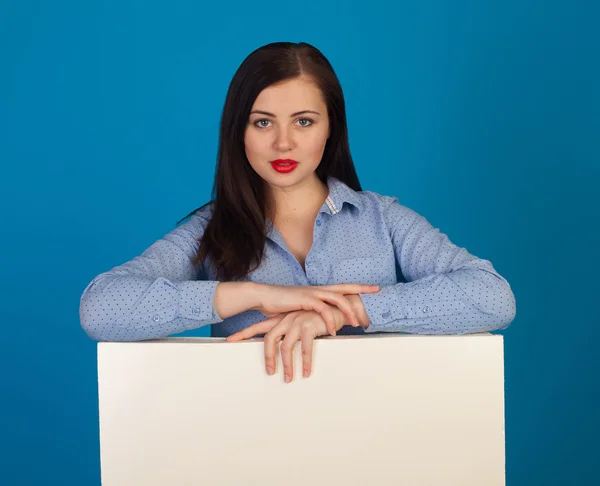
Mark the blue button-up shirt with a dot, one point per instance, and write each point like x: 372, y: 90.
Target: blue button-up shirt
x: 428, y: 284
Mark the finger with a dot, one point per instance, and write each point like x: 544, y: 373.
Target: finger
x: 326, y: 313
x: 258, y: 328
x: 331, y: 323
x: 343, y: 304
x: 308, y: 338
x: 270, y: 343
x: 328, y: 317
x: 351, y: 288
x: 287, y: 351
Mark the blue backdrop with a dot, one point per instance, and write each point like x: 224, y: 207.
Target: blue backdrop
x: 483, y: 116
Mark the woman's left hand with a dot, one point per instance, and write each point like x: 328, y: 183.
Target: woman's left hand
x: 290, y: 327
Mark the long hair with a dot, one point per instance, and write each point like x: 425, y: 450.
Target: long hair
x: 235, y: 235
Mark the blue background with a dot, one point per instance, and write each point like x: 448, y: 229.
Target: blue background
x: 483, y: 116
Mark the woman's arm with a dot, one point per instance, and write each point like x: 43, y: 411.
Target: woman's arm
x: 153, y: 295
x: 448, y: 290
x: 158, y: 294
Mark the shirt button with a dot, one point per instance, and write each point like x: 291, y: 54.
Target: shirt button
x: 196, y: 310
x: 318, y: 222
x: 426, y: 309
x: 156, y: 318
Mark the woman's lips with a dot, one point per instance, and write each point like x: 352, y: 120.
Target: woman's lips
x: 284, y: 166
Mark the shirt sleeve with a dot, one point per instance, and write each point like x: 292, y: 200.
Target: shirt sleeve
x: 448, y: 290
x: 154, y: 295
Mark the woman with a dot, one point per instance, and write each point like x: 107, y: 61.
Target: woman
x: 290, y: 246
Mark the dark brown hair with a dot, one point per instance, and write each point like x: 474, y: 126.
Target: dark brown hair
x: 234, y: 238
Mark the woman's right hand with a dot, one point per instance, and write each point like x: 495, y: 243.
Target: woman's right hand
x: 278, y: 299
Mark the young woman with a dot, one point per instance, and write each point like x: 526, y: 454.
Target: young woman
x: 290, y: 247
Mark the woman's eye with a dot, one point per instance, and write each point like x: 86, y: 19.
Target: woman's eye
x: 258, y: 123
x: 306, y: 120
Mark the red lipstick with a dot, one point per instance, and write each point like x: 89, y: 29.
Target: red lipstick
x: 284, y: 166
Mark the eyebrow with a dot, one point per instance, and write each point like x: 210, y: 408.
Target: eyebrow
x: 260, y: 112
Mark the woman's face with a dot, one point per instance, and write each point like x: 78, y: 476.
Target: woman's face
x: 287, y: 121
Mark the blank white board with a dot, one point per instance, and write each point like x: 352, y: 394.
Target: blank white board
x: 381, y: 409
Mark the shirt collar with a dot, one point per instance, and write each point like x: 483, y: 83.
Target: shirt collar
x: 340, y: 193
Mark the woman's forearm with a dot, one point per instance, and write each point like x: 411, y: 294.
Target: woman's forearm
x: 233, y: 298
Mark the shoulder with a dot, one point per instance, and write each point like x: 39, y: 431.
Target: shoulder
x: 197, y: 220
x: 205, y: 212
x: 389, y: 207
x: 202, y: 213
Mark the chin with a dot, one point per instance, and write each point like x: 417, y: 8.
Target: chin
x: 288, y: 180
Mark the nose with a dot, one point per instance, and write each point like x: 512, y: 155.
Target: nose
x: 283, y: 140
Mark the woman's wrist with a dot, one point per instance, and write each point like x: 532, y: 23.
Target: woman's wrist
x: 254, y: 291
x: 359, y: 308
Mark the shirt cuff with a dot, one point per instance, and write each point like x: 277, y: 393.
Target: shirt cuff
x: 385, y: 308
x: 196, y: 301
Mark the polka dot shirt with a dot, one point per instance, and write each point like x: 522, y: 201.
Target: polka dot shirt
x: 428, y: 284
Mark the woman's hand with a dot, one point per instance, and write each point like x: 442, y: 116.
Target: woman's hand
x: 278, y: 299
x: 297, y: 325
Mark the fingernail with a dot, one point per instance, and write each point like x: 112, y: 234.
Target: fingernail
x: 269, y: 370
x: 305, y: 373
x: 287, y: 378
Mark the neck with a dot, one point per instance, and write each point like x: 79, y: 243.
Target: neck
x: 297, y: 202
